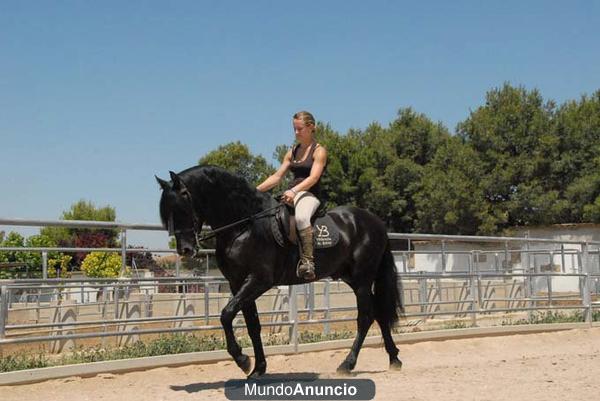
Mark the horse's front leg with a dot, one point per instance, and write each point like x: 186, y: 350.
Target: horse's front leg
x: 247, y: 294
x: 253, y: 324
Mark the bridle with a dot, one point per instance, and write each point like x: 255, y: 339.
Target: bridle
x: 197, y: 227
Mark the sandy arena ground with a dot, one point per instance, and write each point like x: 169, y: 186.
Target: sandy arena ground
x: 544, y: 367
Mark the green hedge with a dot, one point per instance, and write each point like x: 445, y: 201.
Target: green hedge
x: 164, y: 345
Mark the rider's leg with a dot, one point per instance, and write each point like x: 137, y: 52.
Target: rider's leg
x: 305, y: 205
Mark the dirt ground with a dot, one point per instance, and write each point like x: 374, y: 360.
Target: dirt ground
x: 544, y: 367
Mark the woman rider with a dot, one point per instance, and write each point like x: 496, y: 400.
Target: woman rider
x: 307, y: 160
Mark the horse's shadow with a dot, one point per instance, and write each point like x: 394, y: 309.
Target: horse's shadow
x: 269, y: 378
x: 278, y: 377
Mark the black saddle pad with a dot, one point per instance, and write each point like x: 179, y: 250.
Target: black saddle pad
x: 325, y: 232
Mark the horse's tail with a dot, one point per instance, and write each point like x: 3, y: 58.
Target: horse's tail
x: 388, y: 289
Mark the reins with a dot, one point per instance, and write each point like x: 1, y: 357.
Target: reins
x: 213, y: 233
x: 253, y: 217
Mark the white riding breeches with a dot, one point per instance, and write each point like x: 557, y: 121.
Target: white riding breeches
x: 305, y: 205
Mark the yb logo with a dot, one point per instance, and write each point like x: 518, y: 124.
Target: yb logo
x: 323, y: 231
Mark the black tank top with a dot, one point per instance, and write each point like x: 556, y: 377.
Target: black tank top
x: 301, y: 169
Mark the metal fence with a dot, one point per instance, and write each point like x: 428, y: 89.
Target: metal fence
x: 467, y: 291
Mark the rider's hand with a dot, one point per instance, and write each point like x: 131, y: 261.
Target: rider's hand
x: 288, y: 197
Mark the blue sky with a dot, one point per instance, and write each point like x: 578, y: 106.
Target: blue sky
x: 97, y: 97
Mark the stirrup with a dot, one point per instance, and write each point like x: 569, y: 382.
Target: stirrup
x: 306, y: 269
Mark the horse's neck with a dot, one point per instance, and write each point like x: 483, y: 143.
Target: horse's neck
x: 225, y: 238
x: 223, y: 210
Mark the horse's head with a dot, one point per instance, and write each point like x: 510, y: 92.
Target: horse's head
x: 179, y: 214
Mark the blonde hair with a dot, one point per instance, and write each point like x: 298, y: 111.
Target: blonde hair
x: 307, y: 118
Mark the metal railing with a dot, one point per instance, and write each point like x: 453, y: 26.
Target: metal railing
x: 129, y: 308
x: 76, y: 309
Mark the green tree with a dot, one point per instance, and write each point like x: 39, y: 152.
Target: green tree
x: 399, y: 154
x: 83, y: 210
x: 237, y: 158
x: 346, y: 163
x: 416, y: 137
x: 32, y: 260
x: 576, y: 170
x: 514, y: 137
x: 451, y: 197
x: 13, y: 239
x: 84, y: 237
x: 583, y: 197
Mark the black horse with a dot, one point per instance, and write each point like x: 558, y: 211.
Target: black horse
x: 253, y: 262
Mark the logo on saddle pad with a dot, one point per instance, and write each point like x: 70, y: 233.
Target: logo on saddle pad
x: 325, y: 232
x: 322, y: 238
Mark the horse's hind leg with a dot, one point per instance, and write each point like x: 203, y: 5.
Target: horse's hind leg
x: 253, y: 324
x: 364, y: 302
x: 390, y: 346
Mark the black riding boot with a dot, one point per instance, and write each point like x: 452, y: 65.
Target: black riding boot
x: 306, y: 264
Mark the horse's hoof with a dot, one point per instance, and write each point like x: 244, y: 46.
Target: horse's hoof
x: 256, y: 374
x: 244, y: 363
x: 259, y: 370
x: 396, y: 364
x: 344, y: 369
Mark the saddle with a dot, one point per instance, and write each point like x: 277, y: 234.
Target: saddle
x: 283, y: 227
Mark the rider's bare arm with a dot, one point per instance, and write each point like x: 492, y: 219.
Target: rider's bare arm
x: 276, y: 177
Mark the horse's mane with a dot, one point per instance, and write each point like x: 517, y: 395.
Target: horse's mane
x: 229, y: 195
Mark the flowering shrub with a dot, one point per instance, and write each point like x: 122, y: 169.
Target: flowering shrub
x: 59, y: 265
x: 102, y: 264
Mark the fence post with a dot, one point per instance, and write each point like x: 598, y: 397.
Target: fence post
x: 37, y: 304
x: 506, y: 258
x: 311, y: 300
x: 147, y: 303
x: 3, y: 310
x: 423, y: 295
x: 586, y: 258
x: 206, y: 302
x: 528, y: 293
x: 549, y: 285
x: 528, y: 269
x: 475, y: 282
x: 123, y: 252
x: 326, y: 328
x: 45, y: 265
x: 116, y: 289
x: 293, y: 316
x: 587, y: 298
x: 443, y: 256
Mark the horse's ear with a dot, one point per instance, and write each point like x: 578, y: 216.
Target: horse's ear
x: 163, y: 184
x: 178, y: 184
